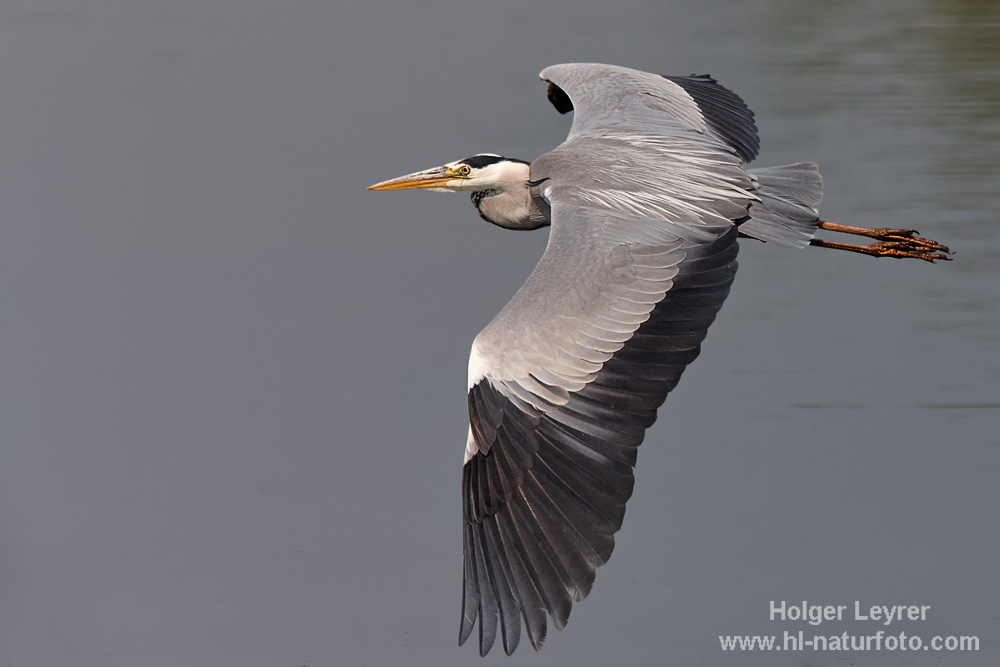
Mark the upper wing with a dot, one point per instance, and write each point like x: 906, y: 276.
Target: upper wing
x: 565, y: 380
x: 610, y: 95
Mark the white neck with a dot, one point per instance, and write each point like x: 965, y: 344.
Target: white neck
x: 502, y: 196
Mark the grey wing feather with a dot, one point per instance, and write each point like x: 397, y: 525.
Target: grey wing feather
x: 563, y: 383
x: 724, y: 112
x: 605, y: 95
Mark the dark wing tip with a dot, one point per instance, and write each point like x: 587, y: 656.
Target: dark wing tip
x: 724, y: 111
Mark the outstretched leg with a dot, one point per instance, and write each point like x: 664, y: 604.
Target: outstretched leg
x: 896, y: 243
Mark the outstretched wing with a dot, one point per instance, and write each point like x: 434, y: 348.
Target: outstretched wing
x: 604, y: 95
x: 565, y: 380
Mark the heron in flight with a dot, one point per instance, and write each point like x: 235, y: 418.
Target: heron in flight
x: 646, y: 199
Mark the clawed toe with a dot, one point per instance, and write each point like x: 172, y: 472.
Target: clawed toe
x: 908, y: 248
x: 898, y: 243
x: 909, y: 237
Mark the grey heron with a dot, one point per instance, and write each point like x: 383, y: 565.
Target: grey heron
x: 646, y: 199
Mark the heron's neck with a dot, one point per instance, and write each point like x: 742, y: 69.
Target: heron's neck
x: 509, y: 203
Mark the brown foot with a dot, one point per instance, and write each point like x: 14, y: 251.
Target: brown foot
x: 897, y: 243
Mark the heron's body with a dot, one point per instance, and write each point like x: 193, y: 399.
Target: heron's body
x: 646, y: 199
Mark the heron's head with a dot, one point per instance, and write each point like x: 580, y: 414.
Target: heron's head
x: 473, y: 174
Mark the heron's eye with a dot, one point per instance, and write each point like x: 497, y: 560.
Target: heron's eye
x: 464, y: 170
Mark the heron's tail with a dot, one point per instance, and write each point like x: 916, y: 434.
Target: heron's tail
x: 785, y: 214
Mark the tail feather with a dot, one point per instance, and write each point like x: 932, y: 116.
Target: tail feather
x: 785, y: 214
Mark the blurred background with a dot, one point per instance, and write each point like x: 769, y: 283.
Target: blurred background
x: 232, y: 382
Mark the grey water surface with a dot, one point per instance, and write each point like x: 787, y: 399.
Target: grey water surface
x: 232, y: 381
